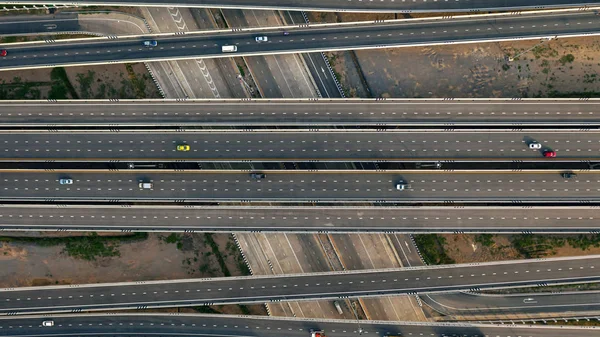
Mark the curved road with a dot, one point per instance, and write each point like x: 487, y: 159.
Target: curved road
x: 306, y: 39
x: 469, y: 306
x: 330, y: 285
x: 313, y: 219
x: 415, y: 112
x: 187, y: 325
x: 351, y: 5
x: 302, y: 186
x: 297, y: 145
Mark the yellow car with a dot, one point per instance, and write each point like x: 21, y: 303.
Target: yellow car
x: 183, y: 147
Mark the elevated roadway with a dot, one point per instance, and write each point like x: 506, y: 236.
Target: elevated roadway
x: 300, y: 145
x: 313, y: 219
x: 342, y: 112
x: 333, y: 186
x: 330, y: 285
x: 153, y: 324
x: 471, y: 306
x: 304, y: 39
x: 352, y: 5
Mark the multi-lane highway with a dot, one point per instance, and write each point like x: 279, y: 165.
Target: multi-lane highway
x: 313, y: 38
x: 332, y: 186
x: 414, y: 112
x: 329, y: 285
x: 301, y: 145
x: 350, y: 5
x: 289, y: 219
x: 155, y: 324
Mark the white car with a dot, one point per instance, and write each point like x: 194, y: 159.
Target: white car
x: 261, y: 39
x: 48, y: 323
x: 402, y: 185
x: 535, y: 145
x: 65, y: 181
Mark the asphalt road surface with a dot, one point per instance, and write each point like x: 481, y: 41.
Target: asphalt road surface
x: 187, y: 325
x: 352, y: 5
x: 481, y: 305
x: 30, y: 24
x: 422, y: 219
x: 304, y: 39
x: 302, y: 113
x: 545, y: 186
x: 300, y: 145
x: 172, y: 293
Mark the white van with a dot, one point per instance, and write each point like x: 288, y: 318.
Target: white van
x: 145, y: 186
x: 228, y: 49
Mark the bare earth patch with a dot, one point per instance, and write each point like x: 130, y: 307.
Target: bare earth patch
x: 467, y: 248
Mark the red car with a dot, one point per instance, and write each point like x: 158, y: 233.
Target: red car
x: 549, y: 154
x: 3, y: 52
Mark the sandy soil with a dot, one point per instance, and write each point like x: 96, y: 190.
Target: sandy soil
x: 464, y: 248
x: 483, y: 70
x: 102, y: 81
x: 26, y: 264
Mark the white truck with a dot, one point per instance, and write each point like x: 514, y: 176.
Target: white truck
x: 228, y: 49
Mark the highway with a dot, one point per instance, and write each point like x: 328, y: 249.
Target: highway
x: 313, y: 219
x: 304, y: 39
x: 330, y: 285
x: 154, y: 324
x: 352, y: 5
x: 481, y: 306
x: 300, y: 145
x: 333, y: 186
x: 302, y: 112
x: 33, y: 24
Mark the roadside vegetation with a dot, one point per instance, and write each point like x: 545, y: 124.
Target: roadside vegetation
x: 88, y: 247
x: 432, y: 249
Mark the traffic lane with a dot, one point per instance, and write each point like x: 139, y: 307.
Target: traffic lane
x: 301, y: 39
x: 229, y: 325
x: 62, y: 22
x: 572, y: 219
x: 385, y: 6
x: 298, y: 112
x: 300, y: 145
x: 481, y: 304
x: 302, y: 287
x: 315, y: 187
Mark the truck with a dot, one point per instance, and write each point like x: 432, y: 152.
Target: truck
x: 228, y: 49
x: 317, y: 333
x: 338, y: 307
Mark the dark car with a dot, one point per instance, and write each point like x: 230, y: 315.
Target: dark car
x: 568, y: 175
x: 258, y: 176
x: 549, y: 154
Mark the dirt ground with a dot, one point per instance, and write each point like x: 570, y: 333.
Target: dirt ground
x: 26, y: 264
x: 557, y: 68
x: 102, y: 81
x: 464, y: 248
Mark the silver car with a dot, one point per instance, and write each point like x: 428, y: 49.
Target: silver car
x: 65, y: 181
